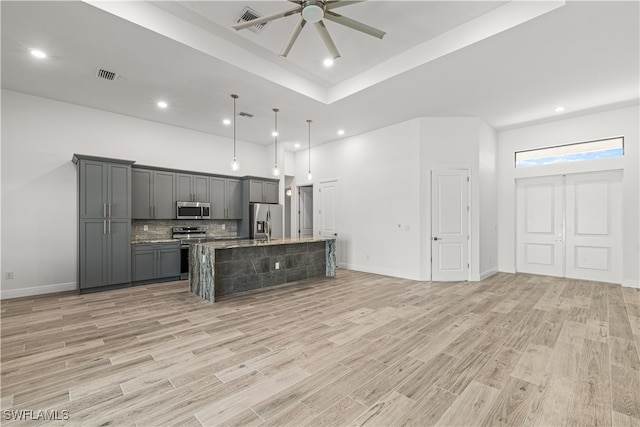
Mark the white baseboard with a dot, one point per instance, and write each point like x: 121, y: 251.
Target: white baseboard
x: 488, y: 273
x: 631, y: 283
x: 38, y: 290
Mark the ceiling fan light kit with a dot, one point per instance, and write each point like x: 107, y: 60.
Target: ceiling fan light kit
x: 314, y: 11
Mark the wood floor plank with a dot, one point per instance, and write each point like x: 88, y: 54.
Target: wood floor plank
x: 428, y: 409
x: 472, y: 405
x: 592, y: 396
x: 340, y: 413
x: 512, y: 405
x: 625, y: 391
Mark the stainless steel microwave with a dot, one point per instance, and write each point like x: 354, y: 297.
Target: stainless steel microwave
x: 193, y: 210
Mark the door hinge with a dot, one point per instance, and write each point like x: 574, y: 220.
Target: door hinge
x: 467, y: 265
x: 468, y: 208
x: 467, y: 179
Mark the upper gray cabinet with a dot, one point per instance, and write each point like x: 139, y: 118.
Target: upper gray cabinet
x: 105, y: 188
x: 154, y: 194
x: 192, y: 188
x: 262, y: 191
x: 226, y: 198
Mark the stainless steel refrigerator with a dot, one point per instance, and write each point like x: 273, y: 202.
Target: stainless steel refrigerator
x: 263, y: 215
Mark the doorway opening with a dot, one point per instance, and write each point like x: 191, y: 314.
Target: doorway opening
x: 305, y: 211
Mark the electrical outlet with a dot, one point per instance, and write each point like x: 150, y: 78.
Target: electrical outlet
x: 8, y: 275
x: 277, y: 266
x: 224, y: 226
x: 145, y: 227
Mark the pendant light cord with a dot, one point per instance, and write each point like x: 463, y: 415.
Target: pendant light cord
x: 309, y: 121
x: 234, y: 125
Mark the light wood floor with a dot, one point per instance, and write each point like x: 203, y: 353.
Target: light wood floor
x: 360, y: 349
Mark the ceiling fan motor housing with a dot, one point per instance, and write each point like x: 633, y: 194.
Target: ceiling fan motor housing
x: 313, y: 11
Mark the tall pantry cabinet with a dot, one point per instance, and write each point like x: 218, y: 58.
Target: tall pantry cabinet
x: 104, y: 222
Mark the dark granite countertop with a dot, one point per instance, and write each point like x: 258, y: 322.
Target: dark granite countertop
x: 137, y: 242
x: 247, y: 243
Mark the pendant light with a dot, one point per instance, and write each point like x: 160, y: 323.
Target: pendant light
x: 276, y: 170
x: 309, y: 172
x: 234, y: 163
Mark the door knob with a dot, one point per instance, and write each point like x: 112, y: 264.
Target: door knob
x: 436, y: 238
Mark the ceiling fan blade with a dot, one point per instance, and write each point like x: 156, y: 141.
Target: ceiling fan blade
x: 326, y: 38
x: 340, y: 3
x: 359, y: 26
x: 266, y: 18
x: 293, y: 36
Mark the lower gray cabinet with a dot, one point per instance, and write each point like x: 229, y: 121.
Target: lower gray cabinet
x: 155, y: 261
x: 105, y: 252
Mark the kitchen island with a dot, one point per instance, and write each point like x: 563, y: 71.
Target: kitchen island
x: 228, y: 267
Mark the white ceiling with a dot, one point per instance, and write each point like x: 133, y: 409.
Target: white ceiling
x: 510, y: 63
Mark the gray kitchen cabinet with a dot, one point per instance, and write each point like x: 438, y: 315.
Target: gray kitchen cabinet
x: 155, y: 261
x: 104, y: 252
x: 226, y: 198
x: 263, y: 191
x: 153, y: 194
x: 104, y: 229
x: 192, y: 188
x: 104, y: 188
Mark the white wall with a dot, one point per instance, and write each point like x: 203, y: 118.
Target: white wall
x: 378, y: 176
x: 39, y: 183
x: 488, y: 180
x: 622, y: 122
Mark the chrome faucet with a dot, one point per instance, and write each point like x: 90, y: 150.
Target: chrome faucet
x: 267, y: 226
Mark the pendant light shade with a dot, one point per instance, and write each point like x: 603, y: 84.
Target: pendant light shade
x: 309, y: 176
x: 276, y: 170
x: 234, y: 163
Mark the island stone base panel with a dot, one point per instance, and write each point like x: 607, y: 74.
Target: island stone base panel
x: 247, y: 269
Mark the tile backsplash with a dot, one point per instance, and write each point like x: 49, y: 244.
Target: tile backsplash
x: 159, y: 229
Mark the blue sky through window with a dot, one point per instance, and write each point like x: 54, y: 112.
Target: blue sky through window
x: 570, y: 153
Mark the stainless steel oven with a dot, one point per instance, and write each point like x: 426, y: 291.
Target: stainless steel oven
x: 187, y: 235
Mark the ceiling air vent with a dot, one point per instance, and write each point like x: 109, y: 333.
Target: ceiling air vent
x: 101, y: 73
x: 249, y: 14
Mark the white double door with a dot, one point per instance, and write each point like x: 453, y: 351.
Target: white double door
x: 570, y: 226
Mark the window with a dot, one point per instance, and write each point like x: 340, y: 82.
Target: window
x: 590, y: 150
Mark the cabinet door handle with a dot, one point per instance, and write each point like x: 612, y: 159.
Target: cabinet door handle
x: 154, y: 211
x: 104, y: 210
x: 109, y: 226
x: 104, y: 227
x: 150, y: 212
x: 109, y: 211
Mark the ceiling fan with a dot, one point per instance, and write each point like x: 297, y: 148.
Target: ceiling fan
x: 314, y: 11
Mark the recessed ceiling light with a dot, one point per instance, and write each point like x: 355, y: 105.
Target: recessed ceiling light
x: 340, y: 132
x: 162, y: 104
x: 226, y: 122
x: 559, y: 109
x: 38, y: 53
x: 328, y: 62
x: 274, y: 133
x: 296, y: 145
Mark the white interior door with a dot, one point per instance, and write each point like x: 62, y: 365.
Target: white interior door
x: 449, y: 225
x: 570, y: 226
x: 305, y: 212
x: 594, y: 220
x: 540, y: 226
x: 328, y: 209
